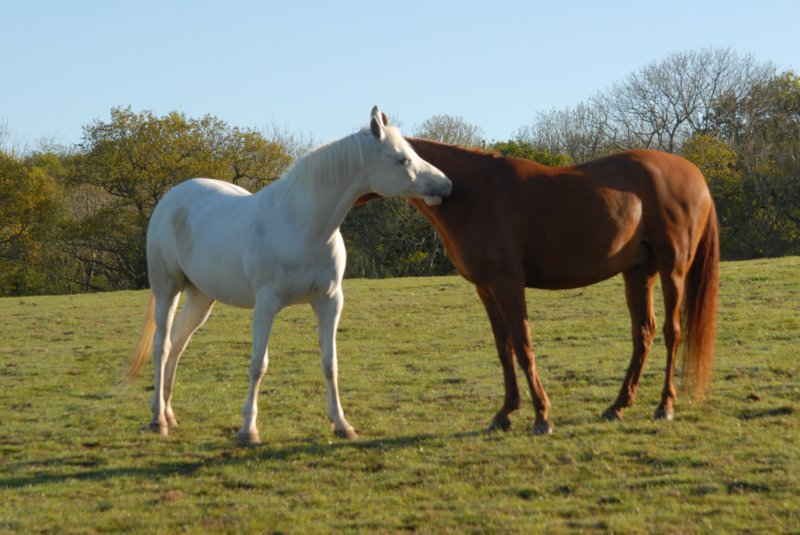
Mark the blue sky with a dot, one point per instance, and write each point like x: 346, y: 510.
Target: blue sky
x: 316, y: 68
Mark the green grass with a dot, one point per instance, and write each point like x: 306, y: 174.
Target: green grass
x: 420, y: 380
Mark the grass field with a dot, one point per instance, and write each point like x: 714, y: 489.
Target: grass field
x: 420, y: 381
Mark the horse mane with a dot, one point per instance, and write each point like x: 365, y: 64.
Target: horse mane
x: 329, y: 165
x: 476, y: 151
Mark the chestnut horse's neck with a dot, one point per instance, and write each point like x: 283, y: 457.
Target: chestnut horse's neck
x: 471, y: 172
x: 471, y: 168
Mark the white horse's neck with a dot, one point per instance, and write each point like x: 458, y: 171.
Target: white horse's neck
x: 322, y: 186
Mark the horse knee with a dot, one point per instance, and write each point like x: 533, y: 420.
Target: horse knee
x: 648, y: 333
x: 258, y: 367
x: 329, y: 368
x: 672, y: 333
x: 525, y: 358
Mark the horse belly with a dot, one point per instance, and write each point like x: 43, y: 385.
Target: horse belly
x: 215, y: 268
x: 579, y: 253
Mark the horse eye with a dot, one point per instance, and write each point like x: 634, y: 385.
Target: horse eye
x: 404, y: 161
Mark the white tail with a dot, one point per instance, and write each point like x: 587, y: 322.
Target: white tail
x: 144, y: 345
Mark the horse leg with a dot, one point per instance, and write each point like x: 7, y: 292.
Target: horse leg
x: 166, y: 303
x: 639, y: 296
x: 267, y: 307
x: 328, y: 311
x: 511, y: 303
x: 672, y: 287
x: 194, y: 313
x: 504, y: 350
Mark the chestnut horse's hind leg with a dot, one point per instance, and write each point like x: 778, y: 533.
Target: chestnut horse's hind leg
x: 639, y: 283
x: 510, y: 300
x: 506, y: 354
x: 672, y: 286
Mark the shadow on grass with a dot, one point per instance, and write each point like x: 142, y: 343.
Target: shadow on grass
x: 224, y: 458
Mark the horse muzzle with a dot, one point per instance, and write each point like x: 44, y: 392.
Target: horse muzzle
x: 439, y: 188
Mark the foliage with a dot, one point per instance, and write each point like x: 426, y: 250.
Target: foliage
x: 519, y: 149
x: 451, y: 129
x: 420, y: 379
x: 29, y: 215
x: 762, y: 198
x: 389, y: 238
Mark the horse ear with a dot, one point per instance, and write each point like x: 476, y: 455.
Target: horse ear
x: 375, y: 127
x: 385, y: 119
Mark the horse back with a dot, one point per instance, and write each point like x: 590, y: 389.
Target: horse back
x: 564, y: 227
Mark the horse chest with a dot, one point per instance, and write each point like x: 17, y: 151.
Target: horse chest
x: 300, y: 273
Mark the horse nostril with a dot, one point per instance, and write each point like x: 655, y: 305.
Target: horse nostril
x: 446, y: 187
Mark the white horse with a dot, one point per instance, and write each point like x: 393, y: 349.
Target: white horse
x: 281, y: 246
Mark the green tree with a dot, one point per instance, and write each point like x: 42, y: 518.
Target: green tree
x: 520, y: 149
x: 763, y: 127
x: 29, y: 216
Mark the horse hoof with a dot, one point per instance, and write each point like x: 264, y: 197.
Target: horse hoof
x: 612, y: 415
x: 544, y: 428
x: 348, y: 433
x: 248, y: 440
x: 172, y: 421
x: 160, y: 428
x: 499, y: 424
x: 664, y: 414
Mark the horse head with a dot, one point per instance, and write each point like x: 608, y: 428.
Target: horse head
x: 397, y: 171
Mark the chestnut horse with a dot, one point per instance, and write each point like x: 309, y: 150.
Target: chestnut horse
x: 512, y: 223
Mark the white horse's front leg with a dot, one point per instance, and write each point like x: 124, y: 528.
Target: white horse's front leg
x: 328, y: 311
x: 267, y: 307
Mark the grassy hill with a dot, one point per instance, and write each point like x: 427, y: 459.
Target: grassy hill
x: 420, y: 381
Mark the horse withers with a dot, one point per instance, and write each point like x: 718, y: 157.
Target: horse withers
x: 215, y: 241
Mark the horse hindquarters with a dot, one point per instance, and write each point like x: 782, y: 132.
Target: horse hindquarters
x: 690, y: 290
x: 702, y: 285
x: 165, y: 305
x: 195, y: 312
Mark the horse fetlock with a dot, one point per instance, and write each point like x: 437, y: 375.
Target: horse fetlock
x: 612, y: 414
x: 159, y: 427
x: 543, y: 428
x: 249, y: 439
x: 500, y: 422
x: 664, y: 413
x: 347, y: 432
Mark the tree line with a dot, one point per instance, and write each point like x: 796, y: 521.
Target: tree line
x: 73, y: 219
